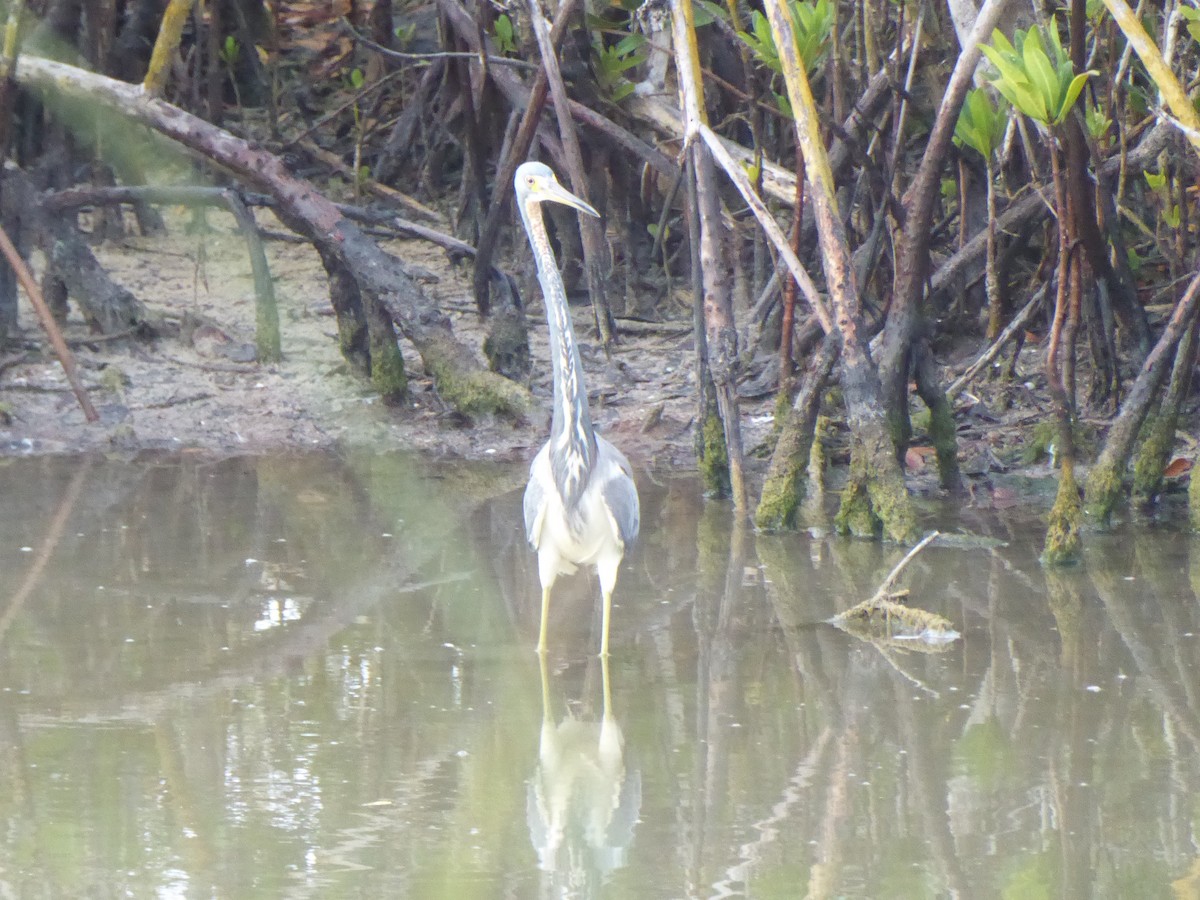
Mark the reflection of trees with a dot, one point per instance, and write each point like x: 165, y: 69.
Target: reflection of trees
x: 175, y: 671
x: 390, y: 720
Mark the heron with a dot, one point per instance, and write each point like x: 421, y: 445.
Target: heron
x: 581, y: 505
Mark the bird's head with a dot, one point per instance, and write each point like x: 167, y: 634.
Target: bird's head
x: 535, y: 182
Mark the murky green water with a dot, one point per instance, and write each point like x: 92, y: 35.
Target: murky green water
x: 315, y: 677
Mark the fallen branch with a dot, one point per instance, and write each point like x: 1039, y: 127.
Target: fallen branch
x: 886, y: 614
x: 382, y: 278
x: 1018, y: 322
x: 198, y: 195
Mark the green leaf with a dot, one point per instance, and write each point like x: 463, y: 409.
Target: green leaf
x: 705, y: 12
x: 1073, y: 92
x: 1042, y: 77
x: 630, y: 43
x: 622, y: 90
x: 785, y: 105
x: 1097, y: 122
x: 505, y: 34
x: 1192, y: 17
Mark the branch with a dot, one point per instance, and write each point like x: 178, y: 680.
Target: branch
x: 65, y: 358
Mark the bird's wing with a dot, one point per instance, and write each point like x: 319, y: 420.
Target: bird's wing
x: 535, y: 504
x: 620, y: 494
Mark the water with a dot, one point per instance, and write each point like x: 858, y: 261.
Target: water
x: 314, y: 677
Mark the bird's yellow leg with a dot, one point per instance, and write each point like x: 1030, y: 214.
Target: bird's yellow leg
x: 545, y: 690
x: 607, y: 687
x: 604, y: 624
x: 541, y: 647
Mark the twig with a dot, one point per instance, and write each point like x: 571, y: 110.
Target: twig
x: 61, y: 350
x: 389, y: 53
x: 993, y: 351
x: 380, y: 190
x: 885, y: 587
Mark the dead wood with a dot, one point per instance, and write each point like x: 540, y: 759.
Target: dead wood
x: 1018, y: 322
x: 382, y: 278
x: 382, y: 191
x: 73, y: 270
x: 887, y: 615
x: 187, y: 195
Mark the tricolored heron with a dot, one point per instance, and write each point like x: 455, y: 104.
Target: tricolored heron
x: 581, y: 506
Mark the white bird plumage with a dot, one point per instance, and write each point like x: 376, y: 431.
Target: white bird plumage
x: 581, y: 505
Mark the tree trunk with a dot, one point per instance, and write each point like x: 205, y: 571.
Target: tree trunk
x: 875, y: 496
x: 912, y: 250
x: 783, y: 490
x: 1104, y: 479
x: 1153, y: 458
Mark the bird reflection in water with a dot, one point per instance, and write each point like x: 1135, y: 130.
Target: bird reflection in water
x: 582, y: 803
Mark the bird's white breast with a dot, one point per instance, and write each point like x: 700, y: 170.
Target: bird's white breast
x: 575, y: 540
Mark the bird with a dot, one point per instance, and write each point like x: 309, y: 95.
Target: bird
x: 581, y: 504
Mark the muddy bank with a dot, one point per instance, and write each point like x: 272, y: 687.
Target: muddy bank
x: 197, y: 389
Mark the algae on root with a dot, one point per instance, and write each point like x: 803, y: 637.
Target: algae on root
x: 713, y: 455
x: 476, y: 390
x: 855, y: 515
x: 1102, y: 490
x: 875, y: 497
x: 1151, y: 459
x: 942, y: 435
x: 1063, y: 539
x: 387, y: 372
x: 1194, y: 500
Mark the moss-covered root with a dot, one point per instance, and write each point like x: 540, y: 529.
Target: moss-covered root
x: 713, y: 456
x: 875, y: 497
x: 1194, y: 499
x: 892, y: 505
x: 1151, y: 459
x: 784, y: 488
x: 855, y: 515
x: 812, y: 506
x: 267, y: 341
x: 782, y: 495
x: 471, y: 389
x: 387, y: 373
x: 942, y: 435
x: 1063, y: 541
x: 1101, y: 492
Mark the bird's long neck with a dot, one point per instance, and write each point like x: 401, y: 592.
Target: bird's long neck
x: 572, y: 437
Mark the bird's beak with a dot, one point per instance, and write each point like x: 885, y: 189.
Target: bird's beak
x: 552, y: 190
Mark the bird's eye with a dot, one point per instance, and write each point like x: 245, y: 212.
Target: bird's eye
x: 529, y: 180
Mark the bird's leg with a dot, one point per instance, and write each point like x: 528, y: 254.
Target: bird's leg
x: 541, y: 647
x: 604, y: 623
x: 607, y: 688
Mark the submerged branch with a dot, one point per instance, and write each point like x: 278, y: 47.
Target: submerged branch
x: 885, y: 616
